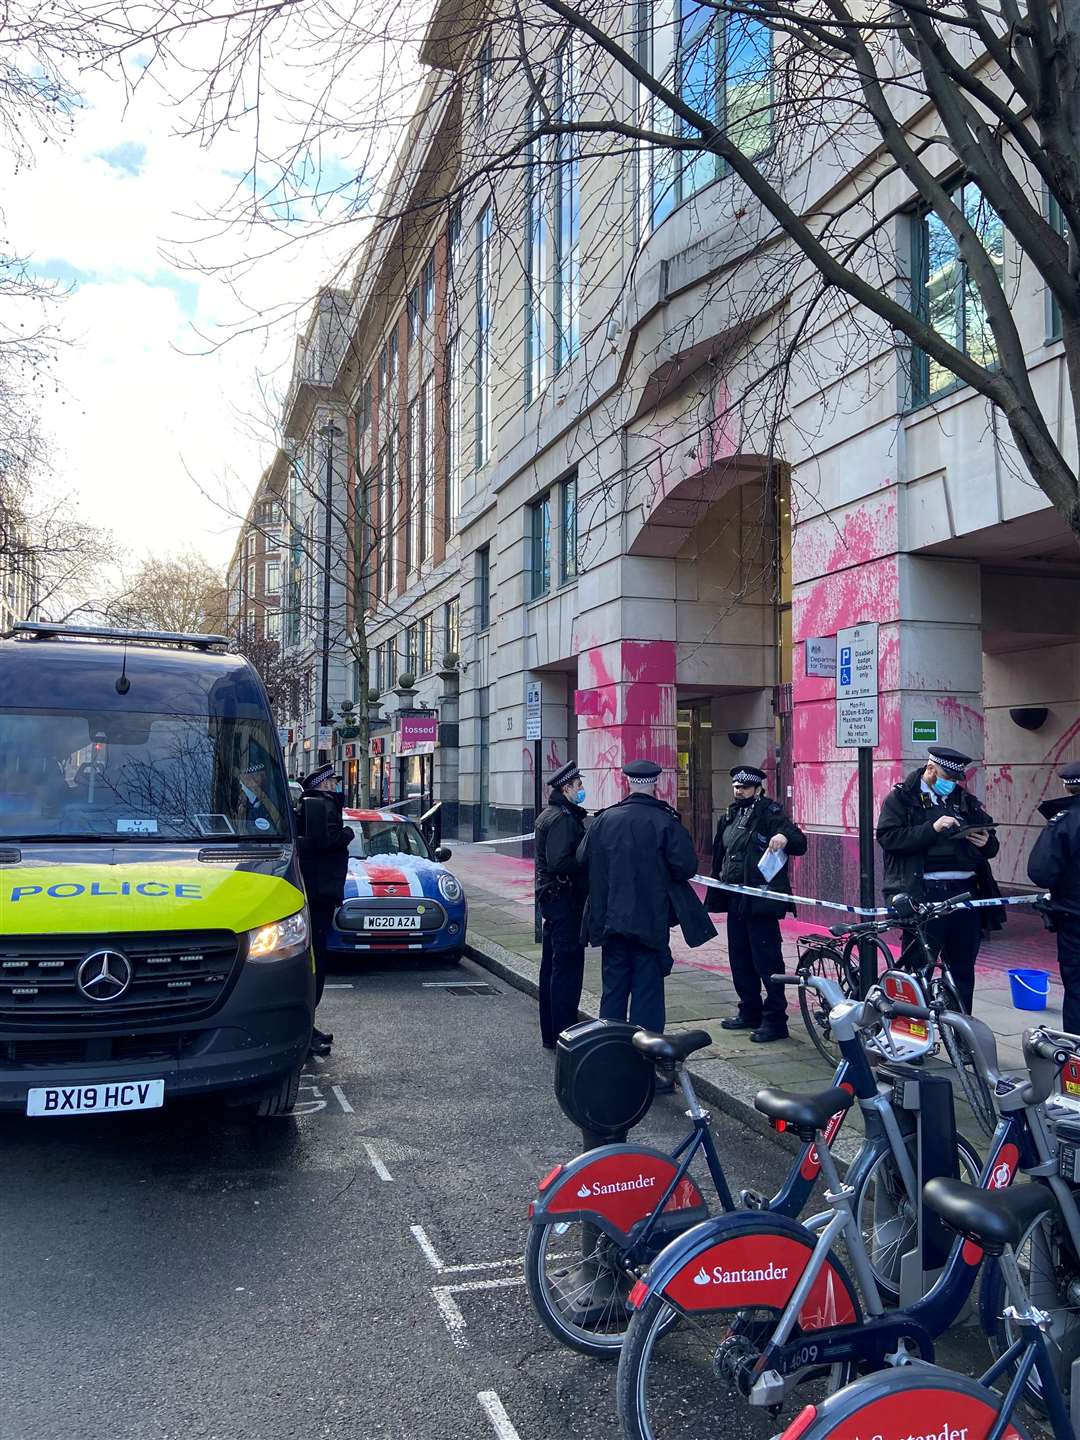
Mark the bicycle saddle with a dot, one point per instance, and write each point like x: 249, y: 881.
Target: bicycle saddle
x: 993, y: 1217
x: 803, y: 1112
x: 670, y: 1048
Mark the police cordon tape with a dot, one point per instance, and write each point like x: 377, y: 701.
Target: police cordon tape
x: 762, y: 892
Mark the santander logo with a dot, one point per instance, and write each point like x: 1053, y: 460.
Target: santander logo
x: 617, y: 1187
x: 719, y: 1276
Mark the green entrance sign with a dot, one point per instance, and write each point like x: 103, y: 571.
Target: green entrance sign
x: 924, y: 731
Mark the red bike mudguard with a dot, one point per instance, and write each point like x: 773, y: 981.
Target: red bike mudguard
x: 619, y: 1186
x: 901, y: 1403
x: 741, y: 1261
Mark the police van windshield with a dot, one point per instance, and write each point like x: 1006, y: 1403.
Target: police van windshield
x: 126, y: 776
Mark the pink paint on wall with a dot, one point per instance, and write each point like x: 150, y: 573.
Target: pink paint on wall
x: 825, y: 605
x: 649, y: 660
x: 866, y: 534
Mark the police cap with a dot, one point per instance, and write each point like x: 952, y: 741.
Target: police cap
x: 747, y: 775
x: 642, y: 772
x: 315, y: 779
x: 565, y: 775
x: 953, y: 762
x: 1071, y: 775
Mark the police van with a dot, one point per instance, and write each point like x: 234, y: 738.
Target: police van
x: 154, y: 939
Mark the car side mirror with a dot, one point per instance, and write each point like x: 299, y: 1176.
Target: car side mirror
x: 313, y: 818
x: 443, y: 853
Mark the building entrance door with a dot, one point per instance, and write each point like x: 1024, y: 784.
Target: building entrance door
x: 694, y: 748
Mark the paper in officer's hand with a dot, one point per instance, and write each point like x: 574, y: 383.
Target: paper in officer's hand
x: 771, y: 863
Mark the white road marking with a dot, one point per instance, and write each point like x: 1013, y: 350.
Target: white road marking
x: 341, y: 1100
x: 501, y: 1422
x: 340, y: 985
x: 431, y: 1255
x: 376, y: 1163
x: 453, y: 984
x: 451, y: 1311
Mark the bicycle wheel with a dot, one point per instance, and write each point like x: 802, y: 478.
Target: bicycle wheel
x: 681, y: 1375
x: 579, y: 1286
x: 887, y: 1217
x: 975, y: 1089
x: 829, y: 963
x: 1050, y: 1271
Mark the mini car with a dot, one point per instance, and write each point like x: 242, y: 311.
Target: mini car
x: 399, y: 896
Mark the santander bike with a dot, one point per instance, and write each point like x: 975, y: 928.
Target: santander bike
x: 764, y: 1312
x: 600, y: 1220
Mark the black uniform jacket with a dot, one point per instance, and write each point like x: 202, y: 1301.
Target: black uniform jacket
x: 324, y: 867
x: 640, y: 858
x: 738, y: 865
x: 559, y: 831
x: 906, y: 834
x: 1054, y: 863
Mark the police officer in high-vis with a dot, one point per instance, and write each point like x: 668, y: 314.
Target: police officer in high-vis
x: 640, y: 859
x: 753, y: 826
x: 560, y: 893
x: 1055, y: 865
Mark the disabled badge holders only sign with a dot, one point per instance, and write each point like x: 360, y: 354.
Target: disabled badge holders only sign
x: 857, y: 686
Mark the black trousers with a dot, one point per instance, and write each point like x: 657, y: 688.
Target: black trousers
x: 755, y: 952
x: 1068, y: 949
x: 956, y: 937
x: 562, y: 964
x: 322, y: 915
x: 633, y: 978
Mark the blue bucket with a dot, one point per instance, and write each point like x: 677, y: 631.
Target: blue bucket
x: 1030, y: 989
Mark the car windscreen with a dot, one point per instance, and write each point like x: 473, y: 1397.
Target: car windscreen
x: 138, y: 775
x: 386, y: 837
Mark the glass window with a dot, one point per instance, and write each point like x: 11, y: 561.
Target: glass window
x: 413, y: 307
x: 410, y: 649
x: 273, y: 577
x: 536, y: 263
x: 413, y: 482
x: 386, y: 837
x: 427, y: 470
x: 391, y: 664
x: 273, y: 625
x: 483, y: 336
x: 452, y: 627
x: 483, y: 587
x: 273, y: 540
x: 568, y: 557
x: 427, y: 293
x: 944, y: 293
x: 251, y: 578
x: 1057, y: 220
x: 567, y: 215
x: 483, y: 82
x: 453, y: 433
x: 427, y: 643
x: 540, y: 546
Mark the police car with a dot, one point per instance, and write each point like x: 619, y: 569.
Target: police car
x: 399, y: 896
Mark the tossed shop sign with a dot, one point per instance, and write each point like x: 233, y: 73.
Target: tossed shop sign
x: 534, y: 711
x: 418, y: 734
x: 821, y: 657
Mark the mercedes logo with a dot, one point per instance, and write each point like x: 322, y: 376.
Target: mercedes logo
x: 104, y: 975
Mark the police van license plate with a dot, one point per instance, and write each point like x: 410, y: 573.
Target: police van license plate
x: 391, y: 922
x: 95, y: 1099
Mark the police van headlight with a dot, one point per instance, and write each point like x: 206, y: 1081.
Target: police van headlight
x: 449, y: 887
x: 281, y: 940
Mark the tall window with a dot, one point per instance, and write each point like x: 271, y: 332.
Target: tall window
x: 413, y: 307
x: 945, y: 295
x: 427, y: 288
x: 1053, y: 317
x: 452, y: 627
x: 427, y: 469
x: 273, y: 577
x: 483, y: 336
x: 721, y: 65
x: 567, y: 215
x: 536, y: 263
x: 391, y: 664
x: 387, y: 537
x: 414, y: 482
x: 483, y: 587
x: 392, y: 359
x: 483, y: 82
x: 427, y: 643
x: 453, y: 433
x: 568, y: 546
x: 540, y: 547
x: 410, y: 649
x: 273, y: 625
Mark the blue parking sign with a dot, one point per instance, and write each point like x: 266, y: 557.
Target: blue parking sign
x: 845, y: 675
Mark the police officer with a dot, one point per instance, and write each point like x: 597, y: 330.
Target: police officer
x: 560, y: 892
x: 324, y: 864
x: 753, y: 826
x: 1055, y: 865
x: 639, y: 859
x: 924, y: 859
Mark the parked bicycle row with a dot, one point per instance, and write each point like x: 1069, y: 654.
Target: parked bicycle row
x: 823, y: 1326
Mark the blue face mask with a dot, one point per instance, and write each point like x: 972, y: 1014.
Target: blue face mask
x: 943, y: 787
x: 579, y: 797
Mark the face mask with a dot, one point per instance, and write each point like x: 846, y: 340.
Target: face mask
x: 943, y: 787
x: 579, y: 797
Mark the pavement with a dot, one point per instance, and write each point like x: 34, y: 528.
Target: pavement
x: 700, y: 993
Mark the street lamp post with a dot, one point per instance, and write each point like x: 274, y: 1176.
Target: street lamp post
x: 328, y: 432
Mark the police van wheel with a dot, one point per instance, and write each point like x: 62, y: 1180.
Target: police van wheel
x: 280, y: 1100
